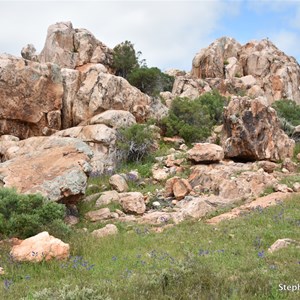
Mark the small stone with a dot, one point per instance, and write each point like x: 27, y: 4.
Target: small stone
x: 183, y: 147
x: 2, y: 271
x: 98, y: 215
x: 118, y: 183
x: 156, y: 204
x: 109, y: 229
x: 281, y: 243
x: 296, y: 187
x: 107, y: 197
x: 284, y: 170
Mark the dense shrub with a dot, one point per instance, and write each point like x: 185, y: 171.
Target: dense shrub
x: 193, y: 119
x: 26, y: 215
x: 134, y: 143
x: 125, y: 58
x: 151, y: 80
x: 289, y: 110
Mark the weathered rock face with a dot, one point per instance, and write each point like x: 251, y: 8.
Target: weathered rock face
x: 40, y: 247
x: 101, y: 140
x: 252, y: 132
x: 53, y: 166
x: 92, y: 91
x: 30, y: 97
x: 70, y: 48
x: 114, y: 118
x: 209, y: 62
x: 274, y: 75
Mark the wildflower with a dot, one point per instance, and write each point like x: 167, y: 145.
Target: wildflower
x: 261, y: 254
x: 114, y: 258
x: 7, y: 283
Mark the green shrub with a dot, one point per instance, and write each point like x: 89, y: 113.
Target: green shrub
x: 289, y: 110
x: 193, y: 119
x: 26, y: 215
x: 134, y: 143
x: 151, y: 80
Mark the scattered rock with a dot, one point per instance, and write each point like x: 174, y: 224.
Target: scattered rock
x: 160, y: 174
x: 40, y: 247
x: 133, y: 202
x: 205, y: 153
x: 296, y: 187
x: 280, y: 244
x: 267, y: 166
x: 71, y: 220
x: 118, y: 183
x: 99, y: 215
x: 282, y: 188
x: 2, y: 271
x: 181, y: 188
x: 107, y: 197
x: 289, y: 165
x: 109, y: 229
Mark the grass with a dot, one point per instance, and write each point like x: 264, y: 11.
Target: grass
x: 192, y: 260
x: 290, y: 180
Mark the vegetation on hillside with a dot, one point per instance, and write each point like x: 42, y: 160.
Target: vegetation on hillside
x: 23, y: 216
x: 192, y: 260
x: 127, y: 63
x: 193, y: 120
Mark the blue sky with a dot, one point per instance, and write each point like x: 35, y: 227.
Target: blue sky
x: 169, y: 33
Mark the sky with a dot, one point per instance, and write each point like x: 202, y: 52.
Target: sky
x: 168, y: 33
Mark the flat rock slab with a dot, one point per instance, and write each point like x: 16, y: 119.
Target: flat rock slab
x: 262, y: 202
x: 57, y: 169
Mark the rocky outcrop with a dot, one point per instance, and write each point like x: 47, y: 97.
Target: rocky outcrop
x: 40, y: 247
x: 98, y: 91
x: 209, y: 62
x: 71, y: 48
x: 252, y: 132
x: 30, y: 97
x: 263, y: 69
x: 53, y: 166
x: 229, y: 180
x: 101, y: 140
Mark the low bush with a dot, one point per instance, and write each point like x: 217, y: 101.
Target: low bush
x: 26, y: 215
x: 151, y: 80
x: 134, y: 143
x: 289, y: 110
x: 193, y: 120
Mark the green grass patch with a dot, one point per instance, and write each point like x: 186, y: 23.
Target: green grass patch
x: 192, y: 260
x: 290, y: 180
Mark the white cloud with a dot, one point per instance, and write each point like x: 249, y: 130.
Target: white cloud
x: 287, y: 42
x: 169, y: 33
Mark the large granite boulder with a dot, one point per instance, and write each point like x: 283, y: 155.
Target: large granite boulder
x: 30, y: 97
x: 70, y: 48
x: 55, y: 167
x: 92, y: 90
x: 252, y: 132
x: 101, y: 140
x: 211, y: 61
x: 40, y: 247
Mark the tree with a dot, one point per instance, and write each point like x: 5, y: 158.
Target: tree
x: 125, y: 59
x: 151, y: 80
